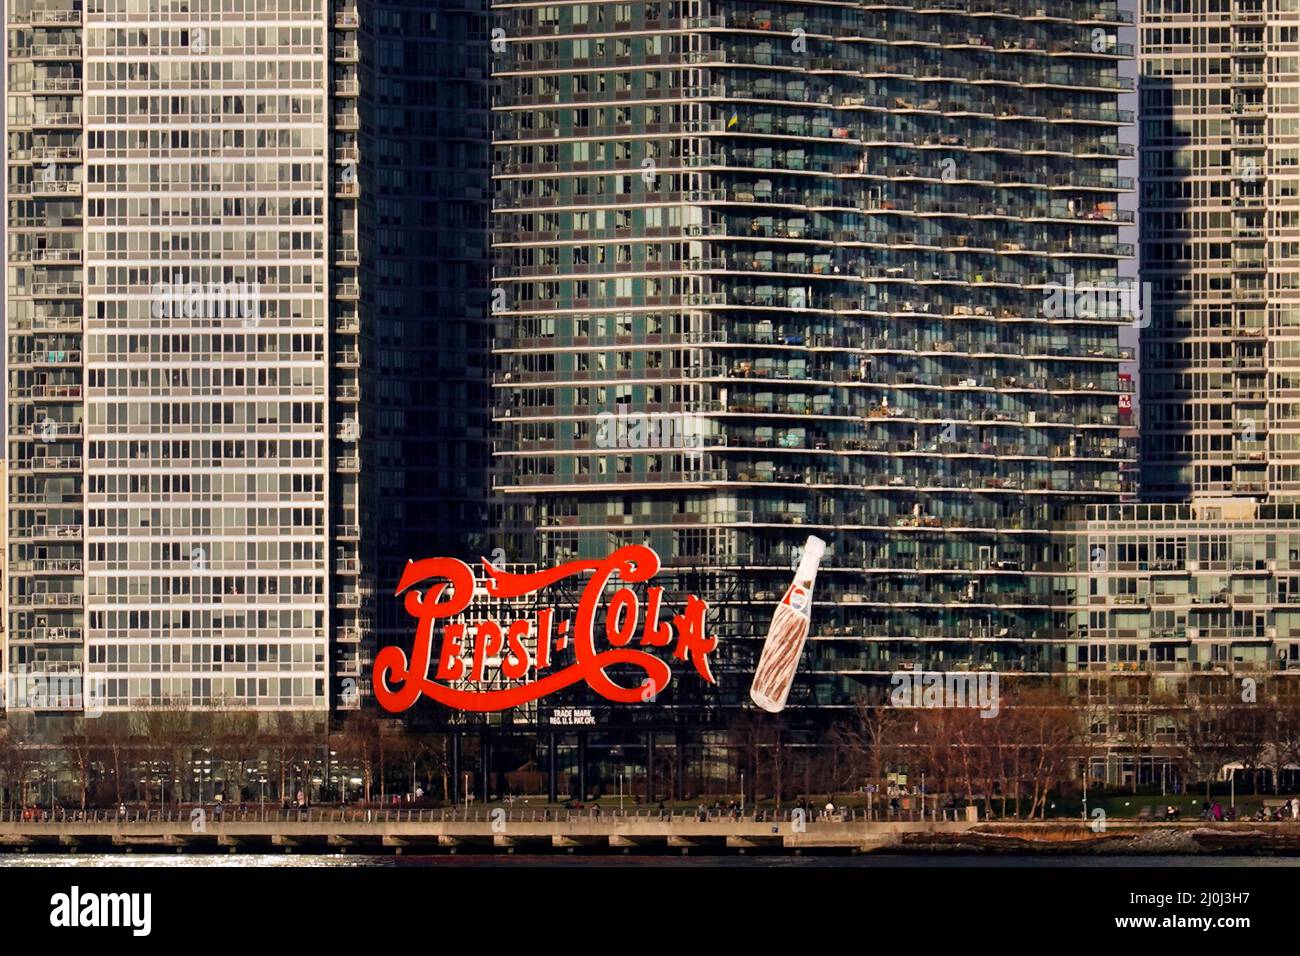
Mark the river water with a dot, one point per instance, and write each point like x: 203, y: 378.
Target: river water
x: 869, y: 861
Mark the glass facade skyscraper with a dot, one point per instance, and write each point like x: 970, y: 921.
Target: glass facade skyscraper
x: 424, y: 298
x: 168, y: 355
x: 1219, y: 248
x: 849, y: 269
x: 245, y: 365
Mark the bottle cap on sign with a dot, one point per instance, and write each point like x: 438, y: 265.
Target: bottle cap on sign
x: 813, y: 550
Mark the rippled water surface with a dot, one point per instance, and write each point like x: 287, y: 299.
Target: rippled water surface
x: 563, y: 860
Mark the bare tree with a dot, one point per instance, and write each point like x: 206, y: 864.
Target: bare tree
x: 1047, y: 728
x: 429, y: 752
x: 80, y: 748
x: 359, y: 742
x: 235, y: 744
x: 1285, y: 728
x: 169, y: 739
x: 1023, y: 752
x: 16, y: 763
x: 867, y: 741
x: 108, y: 735
x: 1206, y: 729
x: 295, y: 740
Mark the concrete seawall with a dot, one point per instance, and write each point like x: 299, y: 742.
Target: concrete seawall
x: 432, y: 832
x: 435, y: 831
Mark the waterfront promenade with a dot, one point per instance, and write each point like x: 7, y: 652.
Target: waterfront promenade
x: 478, y: 830
x: 505, y: 831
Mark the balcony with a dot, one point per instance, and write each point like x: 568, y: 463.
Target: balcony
x: 63, y: 120
x: 71, y: 635
x: 68, y: 392
x: 48, y: 566
x: 56, y: 85
x: 56, y: 290
x: 56, y: 51
x: 46, y: 463
x: 46, y: 599
x: 49, y: 358
x: 42, y: 17
x: 60, y: 256
x: 48, y: 532
x: 54, y: 187
x: 54, y: 154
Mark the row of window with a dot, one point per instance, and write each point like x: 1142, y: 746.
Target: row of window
x: 201, y: 586
x: 133, y: 693
x: 206, y: 522
x: 162, y: 453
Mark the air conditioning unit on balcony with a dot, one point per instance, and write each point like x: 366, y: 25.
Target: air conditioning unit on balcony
x: 1193, y: 633
x: 1193, y: 566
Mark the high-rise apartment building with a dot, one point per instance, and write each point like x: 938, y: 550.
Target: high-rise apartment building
x: 1169, y: 604
x: 771, y: 270
x: 1220, y: 245
x: 425, y: 183
x: 175, y: 260
x: 245, y: 350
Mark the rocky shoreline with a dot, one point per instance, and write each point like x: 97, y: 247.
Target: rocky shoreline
x: 1176, y: 838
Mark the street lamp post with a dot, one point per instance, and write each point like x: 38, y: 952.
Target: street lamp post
x: 467, y: 792
x: 742, y: 791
